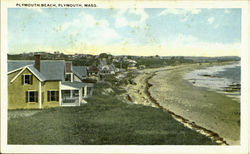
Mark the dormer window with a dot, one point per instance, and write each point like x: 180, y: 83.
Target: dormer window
x: 68, y: 77
x: 27, y: 79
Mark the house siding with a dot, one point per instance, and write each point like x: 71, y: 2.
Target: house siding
x: 48, y: 86
x: 75, y: 78
x: 17, y: 91
x: 12, y: 75
x: 42, y: 82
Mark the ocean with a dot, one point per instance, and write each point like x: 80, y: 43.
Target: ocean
x: 224, y: 79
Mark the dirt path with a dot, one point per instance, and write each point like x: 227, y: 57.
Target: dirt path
x: 12, y: 114
x: 137, y: 92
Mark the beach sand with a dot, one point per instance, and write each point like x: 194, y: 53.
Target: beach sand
x: 207, y: 109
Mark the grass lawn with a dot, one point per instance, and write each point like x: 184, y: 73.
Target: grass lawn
x: 104, y: 120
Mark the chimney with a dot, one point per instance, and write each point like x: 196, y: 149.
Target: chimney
x: 68, y: 67
x: 37, y: 62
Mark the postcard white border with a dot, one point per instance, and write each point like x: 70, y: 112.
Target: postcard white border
x: 243, y: 148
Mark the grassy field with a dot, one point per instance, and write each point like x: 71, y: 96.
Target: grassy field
x: 104, y: 120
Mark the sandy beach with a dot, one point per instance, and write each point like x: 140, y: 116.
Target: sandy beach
x: 206, y: 109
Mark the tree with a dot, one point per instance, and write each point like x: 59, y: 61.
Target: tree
x: 103, y: 55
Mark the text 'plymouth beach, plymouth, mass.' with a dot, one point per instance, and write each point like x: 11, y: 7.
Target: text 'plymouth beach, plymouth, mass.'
x: 123, y: 76
x: 55, y: 5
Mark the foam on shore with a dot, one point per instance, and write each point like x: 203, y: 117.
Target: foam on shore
x: 208, y: 78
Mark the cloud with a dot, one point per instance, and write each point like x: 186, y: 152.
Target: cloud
x: 210, y: 20
x: 185, y: 13
x: 188, y: 45
x: 140, y: 12
x: 123, y: 17
x: 226, y: 11
x: 216, y: 26
x: 121, y: 22
x: 86, y: 28
x: 177, y: 45
x: 180, y: 45
x: 179, y: 11
x: 180, y: 39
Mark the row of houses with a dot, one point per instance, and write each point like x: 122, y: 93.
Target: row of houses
x: 53, y: 83
x: 47, y: 83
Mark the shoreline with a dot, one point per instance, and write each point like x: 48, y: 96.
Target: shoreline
x: 153, y: 92
x: 184, y: 121
x: 209, y: 78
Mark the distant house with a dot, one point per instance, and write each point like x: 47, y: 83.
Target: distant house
x: 116, y: 60
x: 45, y: 83
x: 93, y: 73
x: 142, y: 66
x: 121, y: 76
x: 132, y: 67
x: 105, y: 69
x: 131, y: 61
x: 81, y: 71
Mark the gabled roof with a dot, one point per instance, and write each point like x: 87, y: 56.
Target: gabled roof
x: 80, y: 71
x: 49, y: 69
x: 33, y: 70
x: 36, y: 72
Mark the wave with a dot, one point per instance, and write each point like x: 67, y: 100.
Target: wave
x: 213, y: 79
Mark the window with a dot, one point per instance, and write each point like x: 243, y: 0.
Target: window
x: 27, y: 79
x: 65, y: 93
x: 53, y: 96
x: 75, y: 93
x: 88, y: 90
x: 31, y: 96
x: 68, y: 77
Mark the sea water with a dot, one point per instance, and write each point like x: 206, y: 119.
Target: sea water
x: 223, y: 79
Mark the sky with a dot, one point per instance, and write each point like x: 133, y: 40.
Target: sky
x: 126, y: 31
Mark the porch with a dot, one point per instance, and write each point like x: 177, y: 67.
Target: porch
x: 72, y: 98
x: 73, y: 93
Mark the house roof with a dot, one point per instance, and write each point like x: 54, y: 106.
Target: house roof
x: 49, y: 69
x: 16, y: 64
x: 36, y: 72
x: 93, y: 69
x: 77, y: 85
x: 53, y: 69
x: 33, y: 70
x: 80, y: 71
